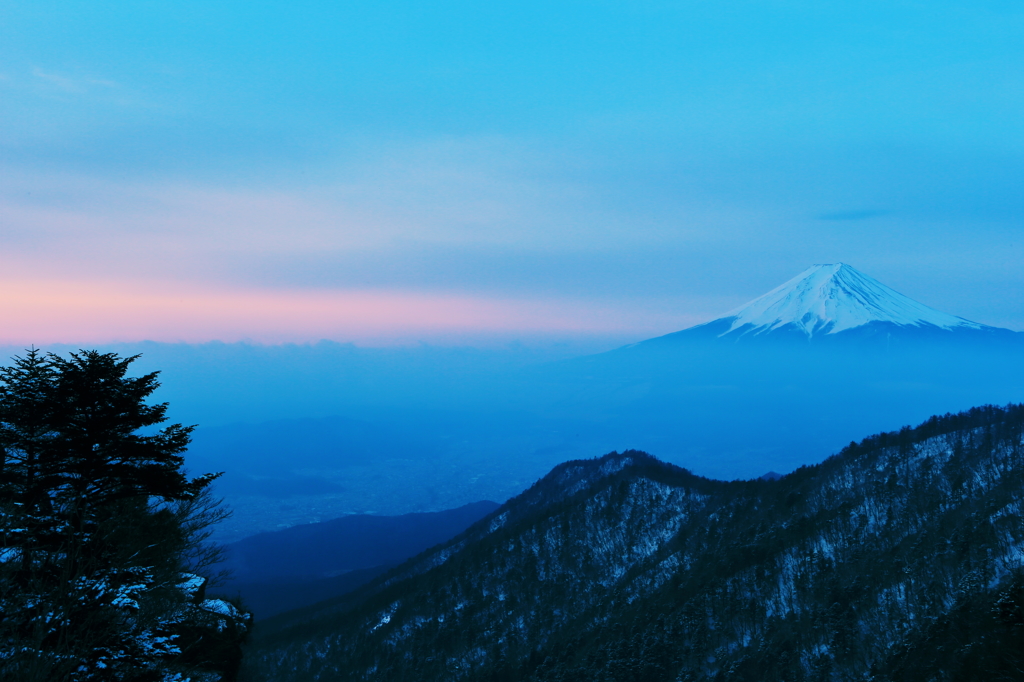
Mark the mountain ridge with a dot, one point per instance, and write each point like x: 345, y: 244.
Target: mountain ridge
x: 627, y: 568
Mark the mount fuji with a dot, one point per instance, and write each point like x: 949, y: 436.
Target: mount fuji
x: 833, y: 298
x: 781, y: 380
x: 834, y: 302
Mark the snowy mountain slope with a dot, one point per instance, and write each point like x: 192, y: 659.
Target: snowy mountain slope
x: 880, y: 563
x: 836, y: 302
x: 832, y: 298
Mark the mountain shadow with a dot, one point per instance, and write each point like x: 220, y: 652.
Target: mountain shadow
x: 301, y: 565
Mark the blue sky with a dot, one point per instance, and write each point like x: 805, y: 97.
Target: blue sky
x: 389, y: 172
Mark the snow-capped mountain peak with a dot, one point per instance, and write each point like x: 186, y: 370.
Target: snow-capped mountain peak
x: 831, y: 298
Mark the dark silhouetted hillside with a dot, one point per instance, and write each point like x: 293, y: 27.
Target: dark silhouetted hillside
x: 897, y: 559
x: 297, y: 566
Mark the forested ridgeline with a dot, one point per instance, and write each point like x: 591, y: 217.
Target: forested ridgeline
x: 104, y: 552
x: 897, y: 559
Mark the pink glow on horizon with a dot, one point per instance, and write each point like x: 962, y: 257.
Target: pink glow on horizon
x: 41, y: 312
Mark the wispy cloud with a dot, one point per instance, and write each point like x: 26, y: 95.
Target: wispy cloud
x: 48, y: 311
x: 95, y: 260
x: 853, y: 214
x: 71, y: 84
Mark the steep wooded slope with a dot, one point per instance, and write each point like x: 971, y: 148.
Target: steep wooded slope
x: 899, y: 558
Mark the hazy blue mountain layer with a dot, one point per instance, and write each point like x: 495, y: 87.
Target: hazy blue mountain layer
x: 899, y: 558
x: 291, y: 472
x: 283, y: 570
x: 778, y: 382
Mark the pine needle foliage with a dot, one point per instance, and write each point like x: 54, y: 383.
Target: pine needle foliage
x: 101, y: 530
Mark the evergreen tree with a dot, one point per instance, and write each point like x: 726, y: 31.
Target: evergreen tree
x: 101, y: 527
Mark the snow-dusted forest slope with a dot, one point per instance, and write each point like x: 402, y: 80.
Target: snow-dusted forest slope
x: 899, y: 558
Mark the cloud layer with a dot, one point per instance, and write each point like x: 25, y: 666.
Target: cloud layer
x: 407, y: 171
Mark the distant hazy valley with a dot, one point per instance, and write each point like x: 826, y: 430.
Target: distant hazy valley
x: 783, y: 381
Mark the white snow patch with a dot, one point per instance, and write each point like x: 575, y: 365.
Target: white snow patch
x: 220, y: 607
x: 191, y: 583
x: 828, y: 299
x: 498, y: 522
